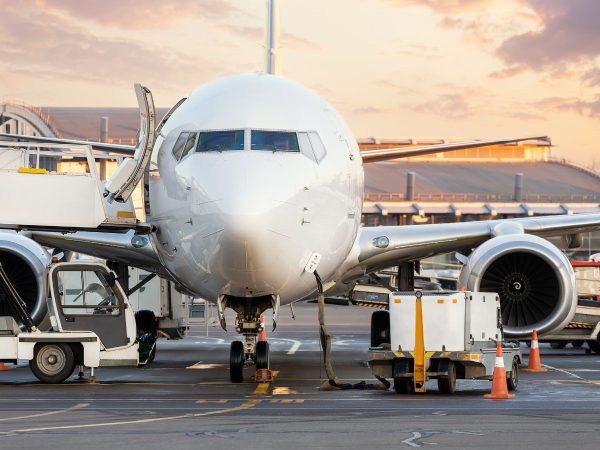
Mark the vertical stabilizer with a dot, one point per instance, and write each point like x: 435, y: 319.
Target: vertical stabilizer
x: 272, y: 38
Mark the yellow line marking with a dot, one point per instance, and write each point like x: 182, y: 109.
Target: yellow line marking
x: 262, y: 388
x: 246, y: 405
x: 287, y: 401
x: 211, y: 401
x: 49, y: 413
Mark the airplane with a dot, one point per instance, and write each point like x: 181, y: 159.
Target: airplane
x: 253, y: 193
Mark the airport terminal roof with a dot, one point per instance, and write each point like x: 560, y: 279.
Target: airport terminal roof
x: 482, y: 181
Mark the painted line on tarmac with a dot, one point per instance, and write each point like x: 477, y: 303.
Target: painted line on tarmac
x: 262, y: 389
x: 49, y: 413
x: 565, y: 372
x: 246, y: 405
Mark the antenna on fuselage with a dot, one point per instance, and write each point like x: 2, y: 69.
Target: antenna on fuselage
x: 272, y: 38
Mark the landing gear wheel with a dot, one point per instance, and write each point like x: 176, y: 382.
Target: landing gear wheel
x: 447, y: 383
x: 402, y: 385
x: 380, y: 328
x: 262, y: 355
x: 236, y: 362
x: 512, y: 381
x: 53, y: 363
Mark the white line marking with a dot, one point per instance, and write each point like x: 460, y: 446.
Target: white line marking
x: 294, y: 348
x: 564, y: 371
x: 49, y: 413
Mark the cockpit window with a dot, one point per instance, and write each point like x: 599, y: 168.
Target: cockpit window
x: 185, y: 142
x: 274, y: 141
x: 220, y: 141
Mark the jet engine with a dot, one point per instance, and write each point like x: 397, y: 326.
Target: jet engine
x: 534, y: 279
x: 25, y: 263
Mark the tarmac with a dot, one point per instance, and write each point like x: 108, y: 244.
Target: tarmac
x: 184, y: 400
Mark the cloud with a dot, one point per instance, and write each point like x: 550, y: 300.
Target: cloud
x: 445, y: 6
x: 583, y: 107
x: 138, y: 14
x: 446, y: 105
x: 570, y: 34
x: 288, y: 40
x: 38, y: 42
x: 368, y: 110
x: 592, y: 77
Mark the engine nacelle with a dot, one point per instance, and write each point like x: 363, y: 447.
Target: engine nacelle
x: 25, y: 262
x: 534, y: 279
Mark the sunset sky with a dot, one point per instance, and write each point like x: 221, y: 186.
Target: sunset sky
x: 393, y: 68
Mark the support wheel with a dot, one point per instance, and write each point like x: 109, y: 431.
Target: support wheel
x: 558, y: 344
x: 53, y: 363
x: 402, y: 385
x: 236, y: 362
x: 577, y: 344
x: 262, y: 355
x: 380, y: 328
x: 447, y: 383
x: 512, y: 381
x: 594, y: 346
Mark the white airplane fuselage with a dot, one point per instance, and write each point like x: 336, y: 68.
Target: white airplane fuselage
x: 245, y: 222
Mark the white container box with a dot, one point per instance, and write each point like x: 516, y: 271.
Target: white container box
x: 452, y: 321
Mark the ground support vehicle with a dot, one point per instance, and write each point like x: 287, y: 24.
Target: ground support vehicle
x: 91, y: 324
x: 439, y: 335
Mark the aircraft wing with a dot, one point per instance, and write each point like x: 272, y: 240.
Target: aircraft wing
x: 130, y: 248
x: 419, y: 150
x: 125, y: 150
x: 380, y: 247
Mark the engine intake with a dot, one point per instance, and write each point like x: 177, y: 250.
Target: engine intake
x: 25, y: 263
x: 534, y: 279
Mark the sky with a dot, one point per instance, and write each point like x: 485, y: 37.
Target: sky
x: 392, y: 68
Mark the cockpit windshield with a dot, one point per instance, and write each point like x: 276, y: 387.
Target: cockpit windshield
x: 220, y: 141
x: 274, y: 141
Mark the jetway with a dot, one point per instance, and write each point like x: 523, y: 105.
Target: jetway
x: 34, y: 197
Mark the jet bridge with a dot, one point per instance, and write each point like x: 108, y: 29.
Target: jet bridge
x: 33, y: 197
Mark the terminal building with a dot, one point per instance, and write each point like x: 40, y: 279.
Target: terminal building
x: 494, y: 182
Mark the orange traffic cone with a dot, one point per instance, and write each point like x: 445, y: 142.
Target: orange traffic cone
x: 262, y: 334
x: 3, y: 367
x: 499, y: 386
x: 535, y: 364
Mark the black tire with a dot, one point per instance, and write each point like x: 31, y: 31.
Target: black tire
x: 145, y: 322
x: 558, y: 344
x: 512, y: 379
x: 577, y: 344
x: 380, y: 328
x: 236, y: 362
x: 447, y: 383
x: 53, y: 363
x: 402, y: 385
x: 262, y: 355
x: 594, y: 346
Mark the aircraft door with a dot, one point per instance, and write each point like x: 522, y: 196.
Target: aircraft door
x: 86, y: 298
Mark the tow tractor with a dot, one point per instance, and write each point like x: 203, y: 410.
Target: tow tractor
x: 89, y: 324
x: 439, y: 335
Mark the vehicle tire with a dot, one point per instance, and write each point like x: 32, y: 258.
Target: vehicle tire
x: 577, y: 344
x: 402, y: 385
x: 447, y: 384
x: 145, y: 322
x: 558, y: 344
x: 236, y: 362
x: 594, y: 346
x: 53, y: 363
x: 380, y: 328
x: 262, y: 355
x: 512, y: 380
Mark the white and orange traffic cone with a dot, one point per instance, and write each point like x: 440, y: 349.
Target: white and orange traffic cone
x: 535, y: 364
x: 262, y: 334
x: 499, y: 386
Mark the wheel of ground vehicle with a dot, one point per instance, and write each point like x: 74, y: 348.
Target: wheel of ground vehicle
x: 380, y: 328
x: 577, y: 344
x: 594, y: 346
x: 236, y: 362
x: 512, y: 381
x: 558, y: 344
x: 53, y: 363
x: 447, y: 384
x: 262, y: 355
x: 402, y: 385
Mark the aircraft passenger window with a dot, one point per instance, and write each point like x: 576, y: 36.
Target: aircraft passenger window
x: 275, y: 141
x: 179, y: 145
x: 220, y: 141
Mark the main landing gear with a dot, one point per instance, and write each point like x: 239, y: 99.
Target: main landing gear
x: 254, y: 350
